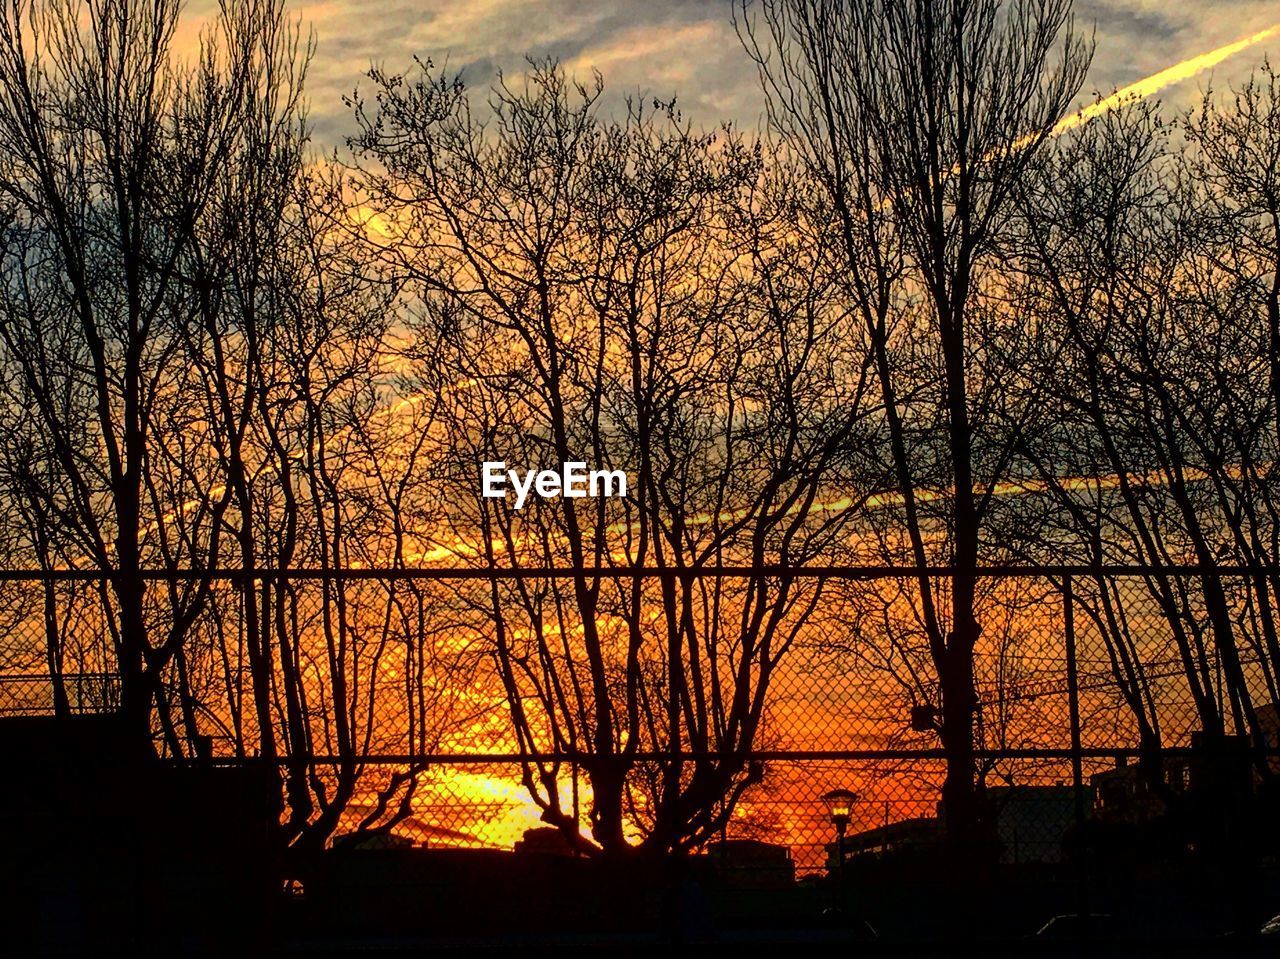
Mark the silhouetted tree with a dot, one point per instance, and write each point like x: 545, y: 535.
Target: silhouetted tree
x: 1157, y: 444
x: 632, y: 295
x: 110, y: 155
x: 920, y: 121
x: 196, y: 371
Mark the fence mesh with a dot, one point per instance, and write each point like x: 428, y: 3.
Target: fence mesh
x: 464, y: 711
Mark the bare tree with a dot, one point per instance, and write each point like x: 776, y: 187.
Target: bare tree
x: 920, y: 120
x: 1156, y: 445
x: 110, y: 156
x: 198, y: 379
x: 632, y: 295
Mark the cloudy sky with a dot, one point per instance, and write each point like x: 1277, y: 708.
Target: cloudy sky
x: 688, y: 47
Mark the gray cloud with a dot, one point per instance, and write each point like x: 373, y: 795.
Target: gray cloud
x: 688, y: 47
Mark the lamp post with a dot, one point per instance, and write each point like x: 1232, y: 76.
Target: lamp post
x: 839, y: 807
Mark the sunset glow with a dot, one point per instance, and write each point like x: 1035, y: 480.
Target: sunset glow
x: 520, y: 473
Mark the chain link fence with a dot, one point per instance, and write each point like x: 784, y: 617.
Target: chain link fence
x: 465, y: 708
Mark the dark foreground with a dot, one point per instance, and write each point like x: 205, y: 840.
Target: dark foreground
x: 103, y: 855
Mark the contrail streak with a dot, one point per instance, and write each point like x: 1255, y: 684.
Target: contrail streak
x: 1165, y: 78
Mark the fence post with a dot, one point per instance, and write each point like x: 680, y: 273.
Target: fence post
x: 1081, y: 868
x: 1073, y: 696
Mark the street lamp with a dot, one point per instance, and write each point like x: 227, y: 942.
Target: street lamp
x: 839, y: 806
